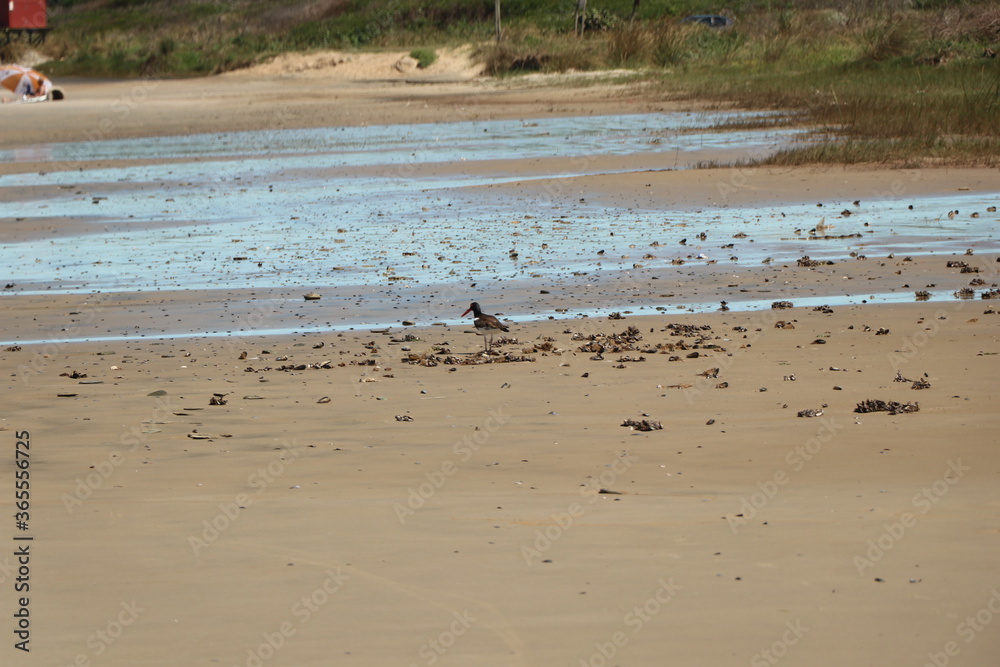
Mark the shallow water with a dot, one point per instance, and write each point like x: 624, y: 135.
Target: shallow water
x: 424, y: 143
x: 395, y: 241
x: 306, y: 209
x: 272, y: 193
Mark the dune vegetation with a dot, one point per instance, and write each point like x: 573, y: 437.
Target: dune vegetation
x: 891, y: 81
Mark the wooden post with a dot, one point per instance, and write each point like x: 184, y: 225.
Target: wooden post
x: 635, y: 10
x: 580, y: 20
x: 497, y: 12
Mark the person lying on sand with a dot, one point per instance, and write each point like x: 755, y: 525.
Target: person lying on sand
x: 24, y: 81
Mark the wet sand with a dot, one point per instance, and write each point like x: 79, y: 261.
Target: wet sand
x: 451, y: 513
x: 94, y: 111
x: 42, y: 318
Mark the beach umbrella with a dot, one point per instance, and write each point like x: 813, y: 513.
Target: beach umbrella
x: 23, y: 80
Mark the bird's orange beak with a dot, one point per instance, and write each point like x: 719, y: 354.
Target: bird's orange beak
x: 466, y: 312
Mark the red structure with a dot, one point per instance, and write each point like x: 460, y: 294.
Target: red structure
x: 22, y: 14
x: 23, y: 18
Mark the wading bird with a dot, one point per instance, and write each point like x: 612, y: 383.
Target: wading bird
x: 486, y: 325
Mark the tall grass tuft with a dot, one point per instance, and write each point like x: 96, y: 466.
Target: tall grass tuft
x: 629, y: 45
x: 424, y: 57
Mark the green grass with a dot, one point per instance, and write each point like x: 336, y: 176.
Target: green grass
x: 891, y: 113
x: 424, y: 57
x: 894, y: 88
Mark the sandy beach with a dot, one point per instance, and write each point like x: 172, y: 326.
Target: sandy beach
x: 204, y: 492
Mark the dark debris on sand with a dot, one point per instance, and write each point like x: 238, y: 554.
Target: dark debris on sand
x: 892, y: 407
x: 643, y: 424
